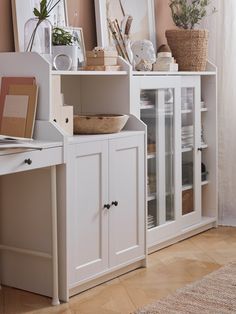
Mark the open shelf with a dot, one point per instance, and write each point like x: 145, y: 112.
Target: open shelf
x: 89, y: 73
x: 145, y: 107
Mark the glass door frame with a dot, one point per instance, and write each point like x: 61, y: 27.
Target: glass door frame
x: 170, y: 228
x: 194, y: 217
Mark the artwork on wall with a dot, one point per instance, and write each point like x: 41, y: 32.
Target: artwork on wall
x: 142, y: 11
x: 22, y: 11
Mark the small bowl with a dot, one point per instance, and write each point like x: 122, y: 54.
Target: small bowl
x: 99, y: 124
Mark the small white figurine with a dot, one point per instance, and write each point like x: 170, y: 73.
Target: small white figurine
x: 144, y: 55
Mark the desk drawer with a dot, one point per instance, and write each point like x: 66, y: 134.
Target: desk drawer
x: 29, y: 160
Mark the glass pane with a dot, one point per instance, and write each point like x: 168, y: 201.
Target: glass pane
x: 157, y: 113
x: 187, y: 107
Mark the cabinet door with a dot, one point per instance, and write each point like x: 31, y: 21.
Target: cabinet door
x: 192, y: 145
x: 88, y: 224
x: 126, y: 187
x: 160, y: 111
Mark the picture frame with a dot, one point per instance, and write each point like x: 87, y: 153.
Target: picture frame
x: 22, y: 11
x: 77, y: 32
x: 146, y: 11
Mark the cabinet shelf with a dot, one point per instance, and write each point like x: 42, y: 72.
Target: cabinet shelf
x: 186, y: 111
x: 189, y: 149
x: 146, y: 107
x: 151, y: 156
x: 152, y: 197
x: 190, y: 186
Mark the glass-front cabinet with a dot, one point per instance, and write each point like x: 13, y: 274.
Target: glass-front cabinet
x: 159, y: 103
x: 177, y: 171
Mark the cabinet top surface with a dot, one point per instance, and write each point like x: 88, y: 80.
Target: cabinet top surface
x: 35, y: 145
x: 99, y: 137
x: 90, y: 73
x: 155, y: 73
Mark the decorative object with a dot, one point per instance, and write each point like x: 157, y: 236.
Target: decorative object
x: 165, y: 62
x: 78, y: 41
x: 215, y: 293
x: 188, y: 45
x: 99, y: 124
x: 22, y: 11
x: 143, y: 15
x: 65, y: 44
x: 144, y: 55
x: 100, y: 59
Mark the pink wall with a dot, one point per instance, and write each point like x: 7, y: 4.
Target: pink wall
x: 85, y: 18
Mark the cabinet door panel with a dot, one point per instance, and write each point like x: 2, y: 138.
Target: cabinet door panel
x: 126, y: 220
x: 89, y: 221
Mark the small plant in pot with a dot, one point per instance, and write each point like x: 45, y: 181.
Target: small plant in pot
x: 64, y: 43
x: 189, y: 45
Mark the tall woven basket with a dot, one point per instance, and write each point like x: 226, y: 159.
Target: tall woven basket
x: 189, y: 47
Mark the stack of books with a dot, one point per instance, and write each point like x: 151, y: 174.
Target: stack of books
x: 187, y: 136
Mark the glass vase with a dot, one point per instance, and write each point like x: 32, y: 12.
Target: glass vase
x: 37, y: 36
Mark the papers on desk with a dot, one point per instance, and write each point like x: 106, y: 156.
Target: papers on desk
x: 7, y: 142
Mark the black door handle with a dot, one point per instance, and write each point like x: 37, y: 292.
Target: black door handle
x: 115, y: 203
x: 107, y: 206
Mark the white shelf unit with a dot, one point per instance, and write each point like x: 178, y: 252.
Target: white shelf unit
x: 116, y: 236
x: 174, y: 217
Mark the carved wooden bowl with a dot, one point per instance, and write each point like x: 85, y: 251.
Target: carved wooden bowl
x: 99, y: 124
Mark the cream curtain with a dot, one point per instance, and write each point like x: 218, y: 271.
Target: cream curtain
x: 222, y: 51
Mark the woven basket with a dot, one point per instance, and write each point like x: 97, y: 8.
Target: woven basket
x: 189, y: 48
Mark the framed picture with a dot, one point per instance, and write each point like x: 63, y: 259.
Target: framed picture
x: 142, y: 11
x: 22, y: 11
x: 78, y: 37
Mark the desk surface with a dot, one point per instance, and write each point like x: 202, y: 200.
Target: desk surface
x: 16, y: 160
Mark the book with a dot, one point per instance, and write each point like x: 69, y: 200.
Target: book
x: 6, y: 82
x: 7, y: 142
x: 32, y: 92
x: 14, y: 115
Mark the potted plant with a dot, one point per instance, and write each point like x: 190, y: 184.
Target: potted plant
x: 64, y: 43
x: 189, y: 46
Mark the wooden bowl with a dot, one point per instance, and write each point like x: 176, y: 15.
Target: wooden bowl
x: 99, y: 124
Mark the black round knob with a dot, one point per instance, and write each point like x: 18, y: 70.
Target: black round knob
x: 55, y: 120
x: 28, y: 161
x: 200, y: 149
x: 67, y: 120
x: 115, y: 203
x: 107, y: 206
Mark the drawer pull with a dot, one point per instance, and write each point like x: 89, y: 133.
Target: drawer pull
x: 28, y: 161
x: 115, y: 203
x: 67, y: 120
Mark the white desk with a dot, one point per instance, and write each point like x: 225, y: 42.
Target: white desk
x: 17, y: 160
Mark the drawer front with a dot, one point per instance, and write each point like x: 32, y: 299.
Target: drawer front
x: 30, y: 160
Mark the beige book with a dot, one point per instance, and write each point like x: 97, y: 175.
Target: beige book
x: 32, y: 92
x: 14, y: 115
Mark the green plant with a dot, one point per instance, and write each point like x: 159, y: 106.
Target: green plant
x: 187, y: 13
x: 45, y: 8
x: 61, y: 37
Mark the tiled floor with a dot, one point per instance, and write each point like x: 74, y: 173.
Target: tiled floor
x: 168, y: 270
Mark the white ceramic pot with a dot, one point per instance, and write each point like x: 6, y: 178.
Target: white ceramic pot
x: 70, y: 51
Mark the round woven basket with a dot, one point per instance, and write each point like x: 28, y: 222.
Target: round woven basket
x: 189, y: 47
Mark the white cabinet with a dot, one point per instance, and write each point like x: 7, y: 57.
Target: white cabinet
x: 180, y: 114
x: 107, y: 213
